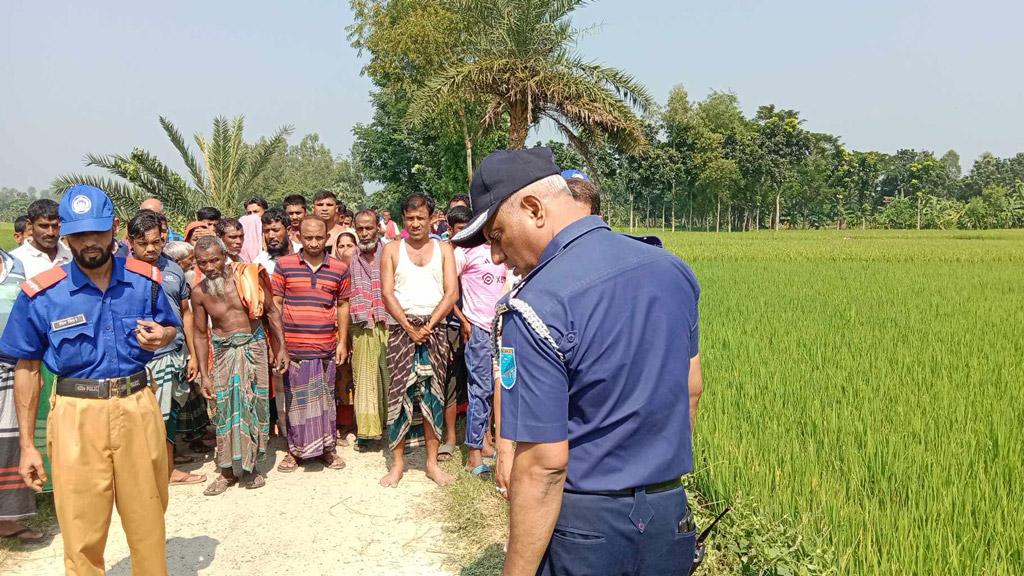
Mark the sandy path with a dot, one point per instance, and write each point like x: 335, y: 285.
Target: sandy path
x: 312, y: 521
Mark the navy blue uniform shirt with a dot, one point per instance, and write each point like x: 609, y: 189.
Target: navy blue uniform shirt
x: 624, y: 316
x: 79, y: 331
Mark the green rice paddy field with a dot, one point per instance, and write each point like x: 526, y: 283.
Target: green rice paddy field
x: 866, y: 388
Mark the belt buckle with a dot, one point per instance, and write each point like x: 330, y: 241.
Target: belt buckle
x: 121, y: 390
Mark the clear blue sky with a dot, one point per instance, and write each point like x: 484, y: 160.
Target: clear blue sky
x: 84, y: 77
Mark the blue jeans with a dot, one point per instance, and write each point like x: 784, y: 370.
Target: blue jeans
x: 480, y: 385
x: 620, y: 536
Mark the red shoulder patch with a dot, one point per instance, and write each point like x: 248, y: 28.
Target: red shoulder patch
x: 143, y: 269
x: 42, y: 281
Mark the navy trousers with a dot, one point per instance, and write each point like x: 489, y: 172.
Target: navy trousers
x: 480, y: 369
x: 620, y: 536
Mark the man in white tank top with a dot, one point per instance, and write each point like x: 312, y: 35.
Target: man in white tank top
x: 419, y: 288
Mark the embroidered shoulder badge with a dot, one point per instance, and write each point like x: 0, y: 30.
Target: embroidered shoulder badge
x: 508, y: 368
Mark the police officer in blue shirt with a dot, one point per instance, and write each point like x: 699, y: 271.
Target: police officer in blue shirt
x: 95, y: 322
x: 599, y: 379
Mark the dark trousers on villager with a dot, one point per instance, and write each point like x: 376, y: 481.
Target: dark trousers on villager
x: 620, y: 536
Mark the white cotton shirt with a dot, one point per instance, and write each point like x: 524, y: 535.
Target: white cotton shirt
x: 36, y: 261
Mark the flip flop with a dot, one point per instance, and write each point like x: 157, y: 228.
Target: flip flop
x: 335, y: 463
x: 192, y: 479
x: 219, y: 486
x: 256, y: 481
x: 445, y: 452
x: 25, y: 534
x: 288, y: 464
x: 483, y: 472
x: 183, y: 459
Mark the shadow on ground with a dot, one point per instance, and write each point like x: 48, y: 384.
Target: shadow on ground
x: 185, y: 557
x: 488, y: 563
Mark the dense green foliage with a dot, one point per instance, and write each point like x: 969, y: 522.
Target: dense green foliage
x: 307, y: 167
x: 712, y: 168
x: 864, y: 386
x: 14, y: 202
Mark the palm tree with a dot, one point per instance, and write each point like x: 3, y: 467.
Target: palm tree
x: 223, y: 180
x: 519, y: 60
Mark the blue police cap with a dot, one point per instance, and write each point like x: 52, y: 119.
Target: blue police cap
x: 85, y: 209
x: 501, y: 174
x: 574, y: 174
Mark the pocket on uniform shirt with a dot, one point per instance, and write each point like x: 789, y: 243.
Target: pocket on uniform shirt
x: 128, y: 326
x: 75, y: 347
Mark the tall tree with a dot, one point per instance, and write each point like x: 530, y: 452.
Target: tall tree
x: 223, y: 179
x: 519, y: 59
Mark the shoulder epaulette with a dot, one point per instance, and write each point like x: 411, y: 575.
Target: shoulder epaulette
x: 143, y: 269
x: 42, y: 281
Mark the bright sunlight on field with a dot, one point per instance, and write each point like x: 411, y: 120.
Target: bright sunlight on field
x: 866, y: 387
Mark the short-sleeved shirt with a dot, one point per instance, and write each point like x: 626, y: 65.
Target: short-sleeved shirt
x: 310, y: 303
x: 79, y: 331
x: 36, y: 261
x: 11, y: 277
x: 624, y: 316
x: 483, y: 283
x: 176, y: 289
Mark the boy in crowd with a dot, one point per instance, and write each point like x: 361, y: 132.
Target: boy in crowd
x: 483, y: 283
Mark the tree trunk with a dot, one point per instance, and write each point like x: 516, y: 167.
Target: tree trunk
x: 518, y: 124
x: 718, y: 217
x: 689, y: 221
x: 631, y: 213
x: 778, y: 209
x: 728, y: 225
x: 673, y: 211
x: 468, y: 142
x: 757, y: 218
x: 919, y: 211
x: 663, y: 217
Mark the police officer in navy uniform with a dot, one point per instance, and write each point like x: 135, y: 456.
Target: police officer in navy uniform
x: 95, y: 322
x: 599, y: 379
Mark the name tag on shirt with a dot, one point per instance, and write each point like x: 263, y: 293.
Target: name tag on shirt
x: 76, y: 320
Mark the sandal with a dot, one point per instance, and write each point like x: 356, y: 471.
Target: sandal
x: 183, y: 459
x: 219, y: 486
x: 335, y: 463
x: 189, y: 479
x: 288, y: 464
x: 482, y: 472
x: 257, y: 480
x: 445, y: 452
x: 25, y: 534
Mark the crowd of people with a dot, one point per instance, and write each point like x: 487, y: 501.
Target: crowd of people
x: 319, y: 324
x: 306, y: 320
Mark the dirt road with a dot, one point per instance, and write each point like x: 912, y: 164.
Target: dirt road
x: 312, y: 521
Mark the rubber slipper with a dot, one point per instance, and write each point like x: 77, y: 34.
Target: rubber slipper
x: 445, y: 452
x: 483, y: 472
x: 192, y: 479
x: 25, y: 534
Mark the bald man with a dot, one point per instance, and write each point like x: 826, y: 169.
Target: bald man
x: 153, y: 203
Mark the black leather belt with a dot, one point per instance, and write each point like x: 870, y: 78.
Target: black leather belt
x: 650, y: 489
x: 102, y: 388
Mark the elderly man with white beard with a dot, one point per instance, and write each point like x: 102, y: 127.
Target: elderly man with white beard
x: 369, y: 329
x: 238, y: 300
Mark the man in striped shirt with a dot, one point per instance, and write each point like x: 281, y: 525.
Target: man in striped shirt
x: 313, y: 289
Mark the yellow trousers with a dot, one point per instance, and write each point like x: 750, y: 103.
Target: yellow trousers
x: 105, y: 452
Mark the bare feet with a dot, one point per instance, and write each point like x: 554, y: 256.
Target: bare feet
x: 440, y: 477
x: 394, y: 476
